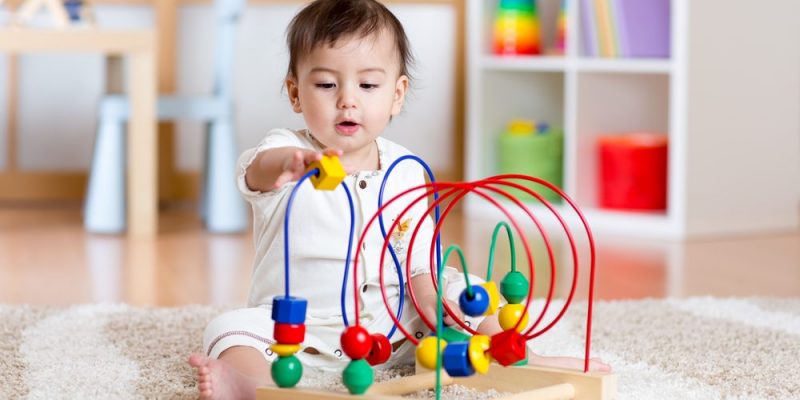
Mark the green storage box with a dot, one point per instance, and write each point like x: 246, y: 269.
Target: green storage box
x: 522, y: 150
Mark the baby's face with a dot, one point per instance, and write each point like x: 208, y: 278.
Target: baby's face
x: 348, y: 92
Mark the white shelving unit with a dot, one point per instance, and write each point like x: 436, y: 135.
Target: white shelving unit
x: 728, y: 98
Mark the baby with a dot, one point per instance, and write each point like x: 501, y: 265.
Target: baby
x: 348, y: 75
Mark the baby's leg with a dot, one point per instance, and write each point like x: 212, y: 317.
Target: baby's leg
x: 234, y: 375
x: 235, y: 359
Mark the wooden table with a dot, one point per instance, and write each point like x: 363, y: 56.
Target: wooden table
x: 139, y: 46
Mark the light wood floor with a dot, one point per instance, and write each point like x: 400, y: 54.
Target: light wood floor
x: 47, y: 259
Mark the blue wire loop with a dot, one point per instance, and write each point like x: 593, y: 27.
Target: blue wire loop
x: 313, y: 172
x: 397, y: 265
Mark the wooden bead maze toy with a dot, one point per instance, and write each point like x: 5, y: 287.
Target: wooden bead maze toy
x: 468, y: 358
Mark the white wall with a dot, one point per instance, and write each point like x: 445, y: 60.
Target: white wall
x: 59, y: 93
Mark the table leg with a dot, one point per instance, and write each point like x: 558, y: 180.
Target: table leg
x: 142, y: 146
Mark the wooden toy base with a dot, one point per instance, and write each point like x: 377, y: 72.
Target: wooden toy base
x: 530, y: 383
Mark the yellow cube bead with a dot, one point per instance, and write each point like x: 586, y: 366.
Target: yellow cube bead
x: 284, y: 350
x: 331, y: 173
x: 510, y: 314
x: 494, y: 297
x: 479, y: 353
x: 426, y: 351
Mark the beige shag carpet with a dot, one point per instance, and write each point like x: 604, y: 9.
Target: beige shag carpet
x: 696, y: 348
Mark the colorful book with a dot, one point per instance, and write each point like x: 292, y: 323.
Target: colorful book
x: 588, y: 28
x: 620, y: 35
x: 644, y: 28
x: 605, y: 29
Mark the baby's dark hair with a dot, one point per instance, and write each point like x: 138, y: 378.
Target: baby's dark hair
x: 323, y: 22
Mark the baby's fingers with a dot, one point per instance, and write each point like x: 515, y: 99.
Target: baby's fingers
x: 309, y: 157
x: 457, y: 314
x: 283, y: 178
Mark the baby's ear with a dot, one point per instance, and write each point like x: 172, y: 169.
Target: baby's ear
x: 294, y: 94
x: 400, y: 89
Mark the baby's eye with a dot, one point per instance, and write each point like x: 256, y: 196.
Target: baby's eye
x: 325, y: 85
x: 369, y: 86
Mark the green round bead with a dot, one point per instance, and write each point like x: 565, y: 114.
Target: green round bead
x: 286, y: 371
x: 357, y: 376
x: 514, y: 287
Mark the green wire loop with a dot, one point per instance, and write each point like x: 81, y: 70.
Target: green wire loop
x: 439, y: 328
x: 463, y: 266
x: 501, y: 224
x: 440, y: 312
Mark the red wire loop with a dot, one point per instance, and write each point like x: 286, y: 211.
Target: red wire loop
x: 459, y: 190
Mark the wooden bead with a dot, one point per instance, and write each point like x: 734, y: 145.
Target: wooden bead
x: 510, y: 314
x: 356, y: 342
x: 426, y: 352
x: 289, y: 333
x: 514, y: 287
x: 507, y: 347
x: 284, y: 350
x: 476, y: 304
x: 456, y: 360
x: 494, y: 297
x: 289, y: 310
x: 286, y: 371
x: 381, y: 350
x: 357, y: 377
x: 478, y: 353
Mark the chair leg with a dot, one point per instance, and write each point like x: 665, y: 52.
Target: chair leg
x: 105, y: 205
x: 224, y: 210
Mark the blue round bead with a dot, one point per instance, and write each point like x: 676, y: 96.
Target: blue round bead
x: 477, y: 304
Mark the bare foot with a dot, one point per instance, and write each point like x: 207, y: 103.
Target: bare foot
x: 216, y: 380
x: 595, y: 364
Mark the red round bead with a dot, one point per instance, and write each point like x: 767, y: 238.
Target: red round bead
x: 381, y: 349
x: 356, y: 342
x: 289, y: 333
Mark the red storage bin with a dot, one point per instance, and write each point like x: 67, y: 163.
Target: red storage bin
x: 633, y: 171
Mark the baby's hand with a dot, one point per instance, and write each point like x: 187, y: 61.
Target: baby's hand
x: 294, y: 167
x: 428, y: 306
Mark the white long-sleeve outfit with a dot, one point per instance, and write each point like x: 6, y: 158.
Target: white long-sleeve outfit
x: 318, y: 237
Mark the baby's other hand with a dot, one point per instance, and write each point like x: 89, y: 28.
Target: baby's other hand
x: 294, y: 167
x: 428, y: 306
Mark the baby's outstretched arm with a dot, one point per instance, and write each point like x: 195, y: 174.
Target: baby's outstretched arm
x: 273, y: 168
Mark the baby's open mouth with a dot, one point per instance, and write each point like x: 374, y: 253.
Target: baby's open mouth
x: 348, y: 123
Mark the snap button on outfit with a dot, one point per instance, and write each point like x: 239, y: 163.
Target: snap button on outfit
x: 362, y: 184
